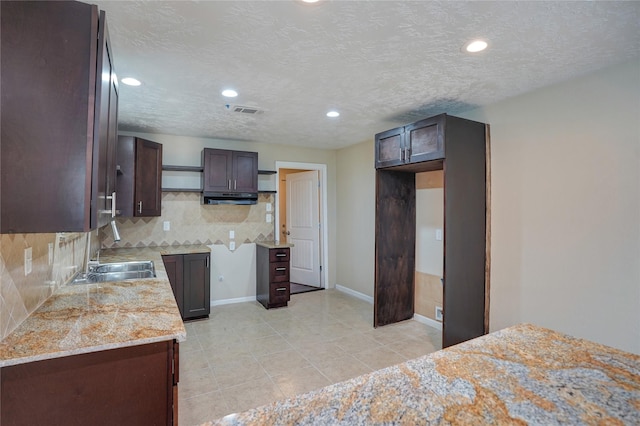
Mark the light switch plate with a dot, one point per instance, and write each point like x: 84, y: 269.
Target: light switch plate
x: 232, y: 234
x: 268, y: 207
x: 269, y: 217
x: 28, y: 261
x: 166, y: 225
x: 439, y: 234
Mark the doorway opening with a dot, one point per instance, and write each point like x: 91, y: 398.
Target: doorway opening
x: 300, y: 219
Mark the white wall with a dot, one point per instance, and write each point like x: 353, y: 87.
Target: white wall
x: 565, y: 208
x: 356, y: 217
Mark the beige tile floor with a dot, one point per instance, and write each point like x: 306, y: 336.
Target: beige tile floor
x: 245, y: 356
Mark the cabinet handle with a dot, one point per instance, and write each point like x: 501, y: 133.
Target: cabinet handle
x: 113, y: 204
x: 207, y: 262
x: 281, y: 269
x: 229, y: 187
x: 281, y: 289
x: 281, y: 254
x: 401, y: 154
x: 235, y: 184
x: 140, y: 207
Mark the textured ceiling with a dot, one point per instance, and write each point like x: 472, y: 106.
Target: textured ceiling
x: 380, y: 63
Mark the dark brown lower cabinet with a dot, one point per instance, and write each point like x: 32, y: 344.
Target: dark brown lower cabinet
x: 136, y: 385
x: 190, y: 278
x: 272, y: 276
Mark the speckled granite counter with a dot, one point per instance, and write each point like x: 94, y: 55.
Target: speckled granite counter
x: 523, y: 374
x: 93, y: 317
x: 274, y: 244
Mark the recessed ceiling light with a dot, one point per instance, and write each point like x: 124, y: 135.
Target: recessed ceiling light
x: 476, y: 46
x: 333, y: 114
x: 229, y: 93
x: 310, y: 1
x: 129, y: 81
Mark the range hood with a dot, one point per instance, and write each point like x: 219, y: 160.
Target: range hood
x: 229, y: 198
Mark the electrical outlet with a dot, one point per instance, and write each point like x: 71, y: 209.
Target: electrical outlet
x: 232, y: 235
x: 439, y: 313
x: 269, y: 207
x: 166, y: 225
x: 438, y: 234
x: 269, y: 218
x: 232, y: 245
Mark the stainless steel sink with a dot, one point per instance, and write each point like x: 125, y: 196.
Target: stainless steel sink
x: 145, y: 265
x: 109, y: 272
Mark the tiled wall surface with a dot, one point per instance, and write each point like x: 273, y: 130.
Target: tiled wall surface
x: 194, y: 223
x: 20, y: 295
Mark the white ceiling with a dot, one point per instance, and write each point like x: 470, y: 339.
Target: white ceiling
x: 380, y: 63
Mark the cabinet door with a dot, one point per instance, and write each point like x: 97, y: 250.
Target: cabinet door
x: 218, y: 174
x: 112, y: 144
x: 174, y: 267
x: 48, y: 73
x: 196, y: 285
x: 245, y: 171
x: 100, y: 216
x: 148, y: 177
x: 390, y: 148
x: 424, y: 140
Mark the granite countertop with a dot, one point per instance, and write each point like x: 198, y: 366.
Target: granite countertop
x: 274, y: 244
x: 94, y: 317
x: 519, y: 375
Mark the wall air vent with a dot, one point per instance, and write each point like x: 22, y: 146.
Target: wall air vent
x: 252, y: 110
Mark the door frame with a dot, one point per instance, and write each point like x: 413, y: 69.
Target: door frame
x: 324, y: 234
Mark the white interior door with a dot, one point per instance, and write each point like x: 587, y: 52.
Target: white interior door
x: 303, y: 226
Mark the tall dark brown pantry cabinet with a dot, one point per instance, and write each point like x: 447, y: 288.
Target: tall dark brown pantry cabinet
x: 460, y: 148
x: 58, y: 117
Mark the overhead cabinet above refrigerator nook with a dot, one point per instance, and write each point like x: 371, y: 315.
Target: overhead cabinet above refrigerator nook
x: 59, y: 117
x: 461, y: 148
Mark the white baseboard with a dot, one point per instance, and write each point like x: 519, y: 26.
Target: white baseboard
x: 428, y: 321
x: 354, y: 293
x: 235, y: 300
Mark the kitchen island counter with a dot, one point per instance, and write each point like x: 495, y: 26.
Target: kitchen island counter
x: 519, y: 375
x: 86, y: 318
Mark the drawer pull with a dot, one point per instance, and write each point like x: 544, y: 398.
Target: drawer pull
x: 281, y: 254
x: 281, y: 289
x: 281, y: 269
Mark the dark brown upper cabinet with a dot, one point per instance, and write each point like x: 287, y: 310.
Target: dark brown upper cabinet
x: 58, y: 124
x: 415, y: 143
x: 139, y: 180
x: 461, y: 148
x: 230, y: 171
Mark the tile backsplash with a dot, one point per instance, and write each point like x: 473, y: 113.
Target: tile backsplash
x: 55, y: 258
x: 191, y: 222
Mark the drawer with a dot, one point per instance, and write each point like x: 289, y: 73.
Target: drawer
x: 279, y: 255
x: 278, y: 272
x: 279, y: 293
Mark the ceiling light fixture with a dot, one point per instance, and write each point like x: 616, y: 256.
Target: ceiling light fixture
x: 333, y: 114
x: 476, y: 46
x: 130, y: 81
x: 229, y: 93
x: 310, y: 1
